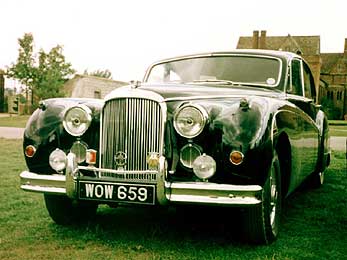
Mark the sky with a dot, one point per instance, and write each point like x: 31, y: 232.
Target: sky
x: 126, y: 36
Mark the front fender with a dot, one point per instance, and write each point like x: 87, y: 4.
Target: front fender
x: 45, y: 131
x: 246, y: 126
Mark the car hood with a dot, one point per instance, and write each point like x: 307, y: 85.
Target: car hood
x: 239, y: 126
x: 171, y: 91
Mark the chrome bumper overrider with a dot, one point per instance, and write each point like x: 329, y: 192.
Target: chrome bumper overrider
x: 167, y: 192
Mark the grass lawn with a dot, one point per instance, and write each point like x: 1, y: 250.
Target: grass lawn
x: 14, y: 121
x: 314, y: 226
x: 338, y: 130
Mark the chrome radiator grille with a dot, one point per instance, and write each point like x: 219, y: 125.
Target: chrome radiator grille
x: 131, y: 127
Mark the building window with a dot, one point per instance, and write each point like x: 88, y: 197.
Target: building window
x: 339, y: 95
x: 330, y: 95
x: 97, y: 94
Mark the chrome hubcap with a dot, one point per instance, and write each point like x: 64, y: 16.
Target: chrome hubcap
x: 321, y: 177
x: 273, y: 199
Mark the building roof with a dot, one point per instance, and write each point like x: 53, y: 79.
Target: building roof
x: 328, y: 61
x: 307, y: 45
x: 334, y: 63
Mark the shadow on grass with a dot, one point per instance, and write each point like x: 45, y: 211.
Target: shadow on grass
x: 160, y: 225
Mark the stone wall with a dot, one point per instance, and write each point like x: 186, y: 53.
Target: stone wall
x: 84, y: 86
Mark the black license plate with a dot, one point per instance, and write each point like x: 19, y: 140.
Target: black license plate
x: 117, y: 192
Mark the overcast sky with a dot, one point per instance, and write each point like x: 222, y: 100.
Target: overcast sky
x: 126, y: 36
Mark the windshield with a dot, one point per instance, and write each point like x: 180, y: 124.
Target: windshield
x: 248, y: 70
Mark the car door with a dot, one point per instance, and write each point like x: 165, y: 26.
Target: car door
x: 301, y: 92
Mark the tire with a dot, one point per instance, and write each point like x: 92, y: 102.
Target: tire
x: 65, y: 211
x: 261, y: 222
x: 316, y: 180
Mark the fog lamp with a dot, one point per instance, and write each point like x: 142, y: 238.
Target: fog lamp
x: 57, y: 160
x: 79, y: 149
x: 204, y: 167
x: 91, y: 156
x: 236, y: 157
x: 30, y: 151
x: 188, y: 154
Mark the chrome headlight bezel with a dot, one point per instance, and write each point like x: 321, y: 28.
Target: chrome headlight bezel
x: 77, y: 119
x: 192, y: 127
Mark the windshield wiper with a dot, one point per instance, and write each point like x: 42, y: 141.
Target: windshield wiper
x: 222, y: 81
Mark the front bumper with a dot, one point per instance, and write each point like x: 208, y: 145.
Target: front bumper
x: 54, y: 184
x: 175, y: 192
x: 202, y: 193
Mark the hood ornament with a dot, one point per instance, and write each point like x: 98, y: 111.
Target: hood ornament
x: 135, y: 83
x: 120, y: 160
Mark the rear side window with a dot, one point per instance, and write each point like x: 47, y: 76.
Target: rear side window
x: 308, y: 82
x: 296, y: 78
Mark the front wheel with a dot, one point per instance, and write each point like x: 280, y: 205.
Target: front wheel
x: 316, y: 180
x: 65, y: 211
x: 261, y: 222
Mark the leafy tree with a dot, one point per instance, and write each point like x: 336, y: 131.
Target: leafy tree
x: 44, y: 76
x: 53, y: 71
x: 24, y: 70
x: 329, y: 108
x: 99, y: 73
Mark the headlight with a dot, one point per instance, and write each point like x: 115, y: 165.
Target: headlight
x: 57, y: 160
x: 77, y: 120
x: 204, y: 167
x: 190, y: 120
x: 188, y: 154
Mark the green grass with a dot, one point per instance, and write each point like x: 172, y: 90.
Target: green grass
x: 314, y: 226
x: 338, y: 130
x: 338, y: 122
x: 14, y: 121
x: 338, y: 127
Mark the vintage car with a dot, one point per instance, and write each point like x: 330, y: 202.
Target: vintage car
x: 233, y: 129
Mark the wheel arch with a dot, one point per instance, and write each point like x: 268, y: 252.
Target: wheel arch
x: 283, y: 149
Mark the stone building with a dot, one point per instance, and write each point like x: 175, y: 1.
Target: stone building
x: 85, y: 86
x: 307, y: 46
x: 329, y: 69
x: 334, y: 74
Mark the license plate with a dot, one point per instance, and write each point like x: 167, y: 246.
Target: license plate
x: 117, y: 192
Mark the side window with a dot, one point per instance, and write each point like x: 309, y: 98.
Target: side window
x: 296, y: 82
x: 309, y: 86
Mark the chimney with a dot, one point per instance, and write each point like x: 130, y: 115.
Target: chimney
x: 345, y: 52
x: 255, y: 40
x: 262, y: 43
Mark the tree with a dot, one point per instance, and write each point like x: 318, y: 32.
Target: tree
x: 99, y: 73
x: 53, y: 71
x: 44, y: 76
x: 24, y: 70
x: 330, y: 109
